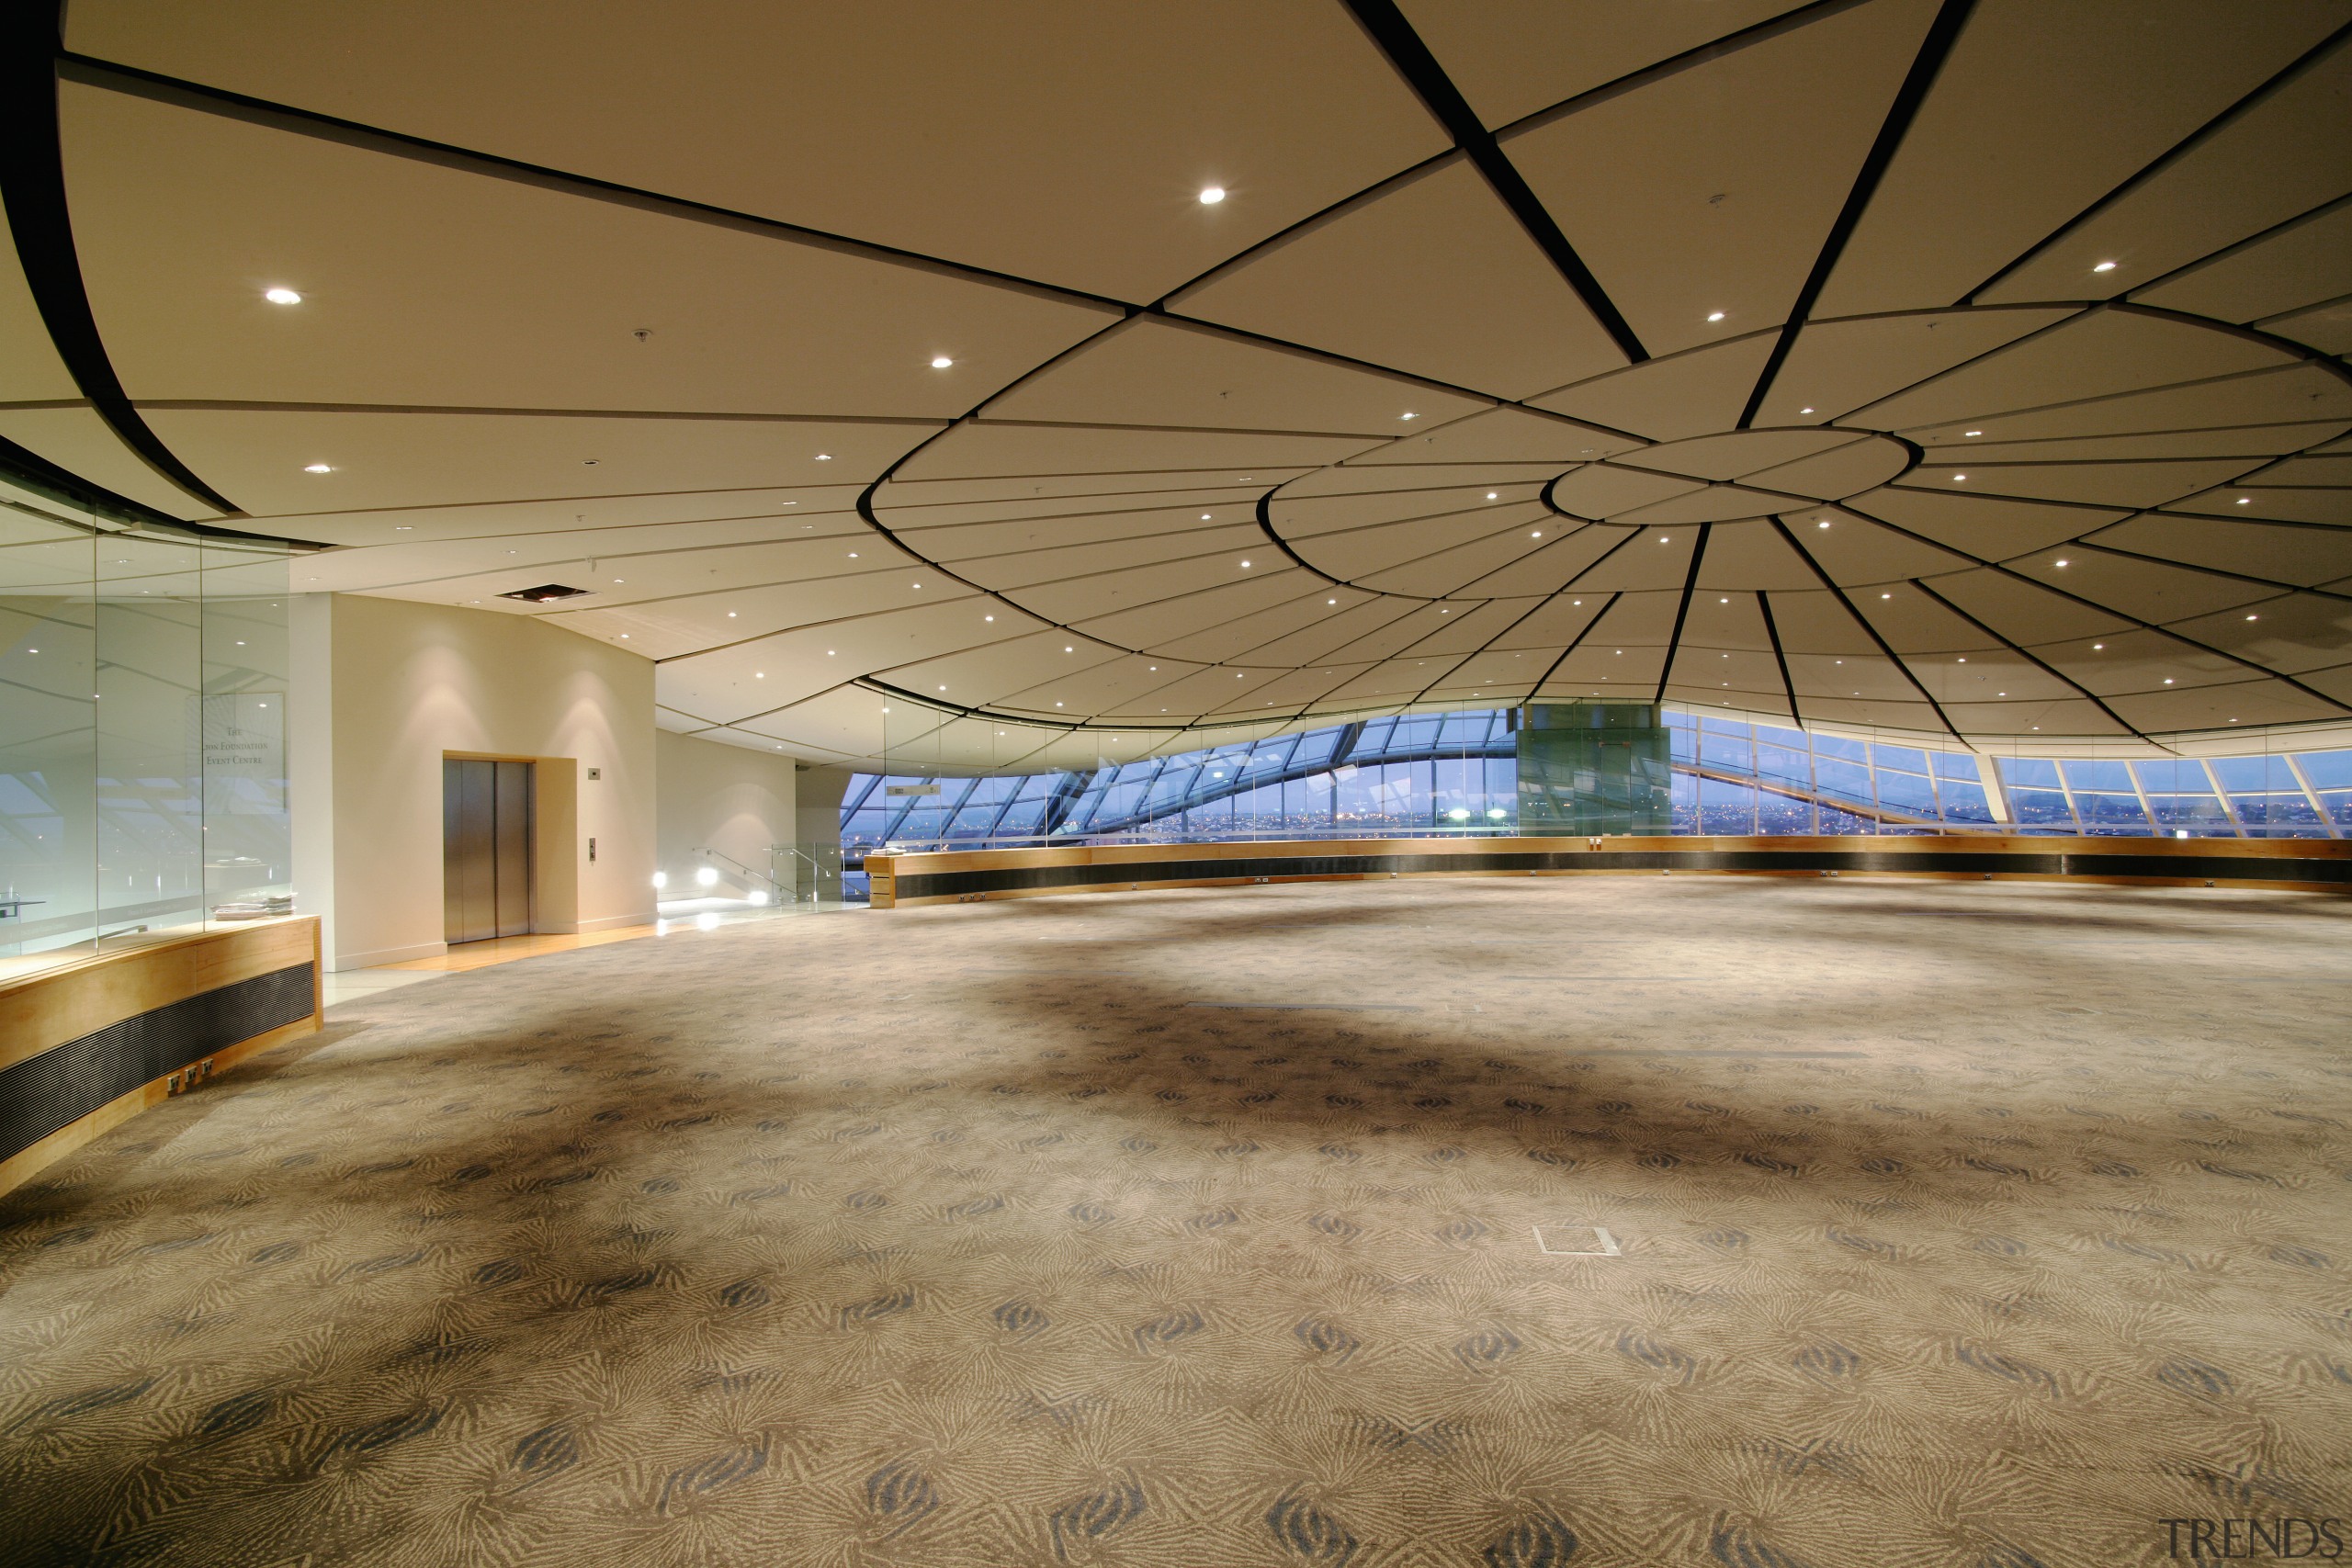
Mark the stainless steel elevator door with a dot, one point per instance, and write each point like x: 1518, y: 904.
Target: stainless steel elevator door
x: 486, y: 831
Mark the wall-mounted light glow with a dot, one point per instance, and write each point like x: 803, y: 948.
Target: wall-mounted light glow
x: 281, y: 296
x: 660, y: 879
x: 707, y: 876
x: 759, y: 894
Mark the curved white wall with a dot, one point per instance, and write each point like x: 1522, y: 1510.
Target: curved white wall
x: 384, y: 689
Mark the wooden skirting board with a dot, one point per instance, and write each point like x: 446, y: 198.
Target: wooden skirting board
x: 969, y: 875
x: 90, y: 1009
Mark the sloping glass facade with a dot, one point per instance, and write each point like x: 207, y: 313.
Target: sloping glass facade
x: 1457, y: 772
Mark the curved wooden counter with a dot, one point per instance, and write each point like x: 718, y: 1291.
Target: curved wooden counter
x: 86, y: 1043
x: 952, y: 876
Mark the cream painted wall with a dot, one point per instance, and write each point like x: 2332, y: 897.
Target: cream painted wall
x: 384, y: 689
x: 727, y: 798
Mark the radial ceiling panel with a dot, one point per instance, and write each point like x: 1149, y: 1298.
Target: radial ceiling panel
x: 428, y: 285
x: 2306, y: 263
x: 2039, y: 111
x: 1153, y: 372
x: 2095, y: 355
x: 1077, y: 564
x: 1702, y: 200
x: 76, y: 438
x: 711, y: 397
x: 1044, y: 451
x: 1837, y: 366
x: 1500, y: 438
x: 1432, y: 275
x: 1069, y: 144
x: 1690, y: 394
x: 264, y: 456
x: 638, y: 518
x: 2283, y: 156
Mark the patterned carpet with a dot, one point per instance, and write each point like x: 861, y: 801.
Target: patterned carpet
x: 1759, y: 1223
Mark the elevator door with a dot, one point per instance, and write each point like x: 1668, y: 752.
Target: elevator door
x: 485, y: 848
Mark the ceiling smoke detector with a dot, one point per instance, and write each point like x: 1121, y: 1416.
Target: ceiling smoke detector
x: 547, y: 594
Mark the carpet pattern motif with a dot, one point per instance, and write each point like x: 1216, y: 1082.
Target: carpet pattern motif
x: 1759, y: 1223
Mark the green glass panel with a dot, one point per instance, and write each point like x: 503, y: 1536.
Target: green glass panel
x: 1588, y: 768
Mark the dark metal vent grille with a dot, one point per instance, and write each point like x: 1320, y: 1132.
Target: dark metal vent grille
x: 43, y: 1093
x: 547, y: 594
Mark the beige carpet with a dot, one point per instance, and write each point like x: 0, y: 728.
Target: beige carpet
x: 1985, y: 1225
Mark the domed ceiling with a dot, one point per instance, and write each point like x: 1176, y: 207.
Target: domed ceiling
x: 1972, y: 371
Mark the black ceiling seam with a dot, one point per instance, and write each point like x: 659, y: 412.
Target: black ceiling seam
x: 1682, y: 609
x: 1942, y: 33
x: 1411, y: 58
x: 2308, y: 60
x: 32, y: 185
x: 2088, y: 604
x: 2075, y: 312
x: 1779, y: 657
x: 1838, y: 595
x: 2038, y: 662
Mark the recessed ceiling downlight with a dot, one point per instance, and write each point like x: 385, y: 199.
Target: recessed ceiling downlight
x: 281, y: 296
x: 940, y: 362
x: 317, y: 468
x: 2104, y: 267
x: 1212, y: 195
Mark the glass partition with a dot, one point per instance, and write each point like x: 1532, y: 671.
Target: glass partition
x: 142, y: 705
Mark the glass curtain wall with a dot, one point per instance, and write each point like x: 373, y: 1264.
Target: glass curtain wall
x: 142, y: 739
x: 1421, y: 773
